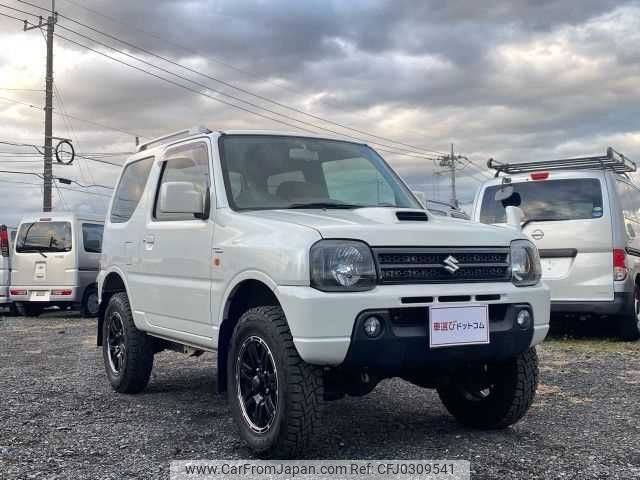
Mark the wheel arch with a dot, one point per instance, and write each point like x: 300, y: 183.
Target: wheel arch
x: 113, y: 283
x: 246, y: 293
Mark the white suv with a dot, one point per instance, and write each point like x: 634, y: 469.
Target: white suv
x: 313, y: 272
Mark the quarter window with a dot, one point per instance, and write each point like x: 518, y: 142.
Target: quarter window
x: 92, y: 237
x: 188, y: 163
x: 130, y: 189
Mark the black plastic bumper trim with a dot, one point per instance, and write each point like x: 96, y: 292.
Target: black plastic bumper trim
x: 403, y: 344
x: 621, y: 301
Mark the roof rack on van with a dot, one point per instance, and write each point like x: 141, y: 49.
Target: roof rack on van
x: 613, y: 160
x: 172, y: 136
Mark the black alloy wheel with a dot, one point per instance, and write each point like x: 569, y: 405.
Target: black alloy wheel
x: 257, y: 381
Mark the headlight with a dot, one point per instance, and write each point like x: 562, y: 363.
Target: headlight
x: 342, y: 265
x: 525, y: 263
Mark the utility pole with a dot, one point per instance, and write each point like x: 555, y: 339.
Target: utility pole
x: 449, y: 162
x: 48, y: 107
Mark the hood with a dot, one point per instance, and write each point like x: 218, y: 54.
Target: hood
x: 381, y: 227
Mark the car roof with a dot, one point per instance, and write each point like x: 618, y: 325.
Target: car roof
x: 62, y: 216
x: 162, y: 142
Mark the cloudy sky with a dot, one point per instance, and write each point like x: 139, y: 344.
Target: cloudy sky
x: 516, y: 80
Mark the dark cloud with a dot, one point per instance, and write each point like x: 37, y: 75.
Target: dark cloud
x: 511, y: 79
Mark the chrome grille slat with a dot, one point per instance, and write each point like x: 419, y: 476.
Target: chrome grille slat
x: 427, y: 265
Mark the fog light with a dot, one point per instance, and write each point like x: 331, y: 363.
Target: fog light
x: 524, y: 319
x: 372, y: 327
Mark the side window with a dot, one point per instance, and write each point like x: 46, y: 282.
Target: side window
x: 187, y: 163
x: 92, y: 237
x: 355, y: 180
x: 130, y: 189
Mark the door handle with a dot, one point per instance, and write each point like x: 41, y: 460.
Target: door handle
x: 150, y: 239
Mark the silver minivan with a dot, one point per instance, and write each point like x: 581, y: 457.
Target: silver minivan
x: 7, y: 236
x: 55, y: 262
x: 584, y: 216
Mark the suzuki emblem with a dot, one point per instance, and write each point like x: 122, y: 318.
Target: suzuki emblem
x: 451, y: 264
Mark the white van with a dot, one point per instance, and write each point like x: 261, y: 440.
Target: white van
x: 584, y: 215
x: 7, y: 235
x: 55, y: 262
x: 312, y: 270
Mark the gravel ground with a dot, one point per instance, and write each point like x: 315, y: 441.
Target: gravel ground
x: 60, y: 419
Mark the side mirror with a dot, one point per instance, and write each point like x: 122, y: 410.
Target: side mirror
x: 181, y: 197
x: 514, y: 217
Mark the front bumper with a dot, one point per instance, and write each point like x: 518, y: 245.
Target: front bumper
x: 322, y: 324
x: 42, y: 294
x: 621, y: 302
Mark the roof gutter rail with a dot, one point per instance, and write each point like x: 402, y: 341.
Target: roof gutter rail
x: 180, y: 134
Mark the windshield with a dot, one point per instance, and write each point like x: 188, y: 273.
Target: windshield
x: 44, y: 237
x: 270, y: 172
x: 569, y: 199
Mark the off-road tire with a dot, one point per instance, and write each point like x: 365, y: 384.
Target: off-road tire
x: 300, y: 387
x: 509, y: 399
x: 138, y: 358
x: 85, y: 309
x: 629, y: 322
x: 29, y: 309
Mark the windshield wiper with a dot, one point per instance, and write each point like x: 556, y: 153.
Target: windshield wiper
x: 33, y: 250
x: 531, y: 220
x: 324, y: 205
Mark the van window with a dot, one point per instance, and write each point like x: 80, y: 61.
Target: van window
x: 187, y: 163
x: 92, y: 237
x: 129, y: 190
x: 568, y: 199
x: 44, y: 237
x: 629, y: 200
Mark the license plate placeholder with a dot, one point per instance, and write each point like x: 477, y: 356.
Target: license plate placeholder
x: 455, y: 325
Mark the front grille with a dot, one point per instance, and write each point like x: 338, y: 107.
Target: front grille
x: 442, y: 265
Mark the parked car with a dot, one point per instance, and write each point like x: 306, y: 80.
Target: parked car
x: 7, y: 235
x: 55, y: 262
x: 584, y: 216
x: 313, y: 272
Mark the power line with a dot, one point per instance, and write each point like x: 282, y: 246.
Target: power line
x: 161, y: 38
x: 396, y: 150
x: 59, y: 186
x: 19, y: 11
x: 227, y: 84
x: 90, y: 122
x: 232, y: 86
x: 60, y: 179
x: 240, y: 107
x: 238, y: 99
x: 21, y: 89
